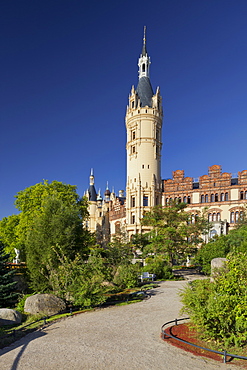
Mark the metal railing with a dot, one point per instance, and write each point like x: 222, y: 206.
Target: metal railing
x: 225, y: 354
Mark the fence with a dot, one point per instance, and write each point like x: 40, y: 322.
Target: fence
x: 225, y: 354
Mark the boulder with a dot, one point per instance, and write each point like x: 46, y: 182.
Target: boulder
x: 46, y: 304
x: 9, y: 317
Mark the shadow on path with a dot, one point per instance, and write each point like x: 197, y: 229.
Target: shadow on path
x: 23, y: 343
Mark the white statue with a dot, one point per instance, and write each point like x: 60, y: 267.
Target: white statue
x: 17, y: 256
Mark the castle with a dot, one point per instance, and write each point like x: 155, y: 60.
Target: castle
x: 223, y: 195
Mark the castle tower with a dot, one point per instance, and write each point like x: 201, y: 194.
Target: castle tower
x: 143, y: 124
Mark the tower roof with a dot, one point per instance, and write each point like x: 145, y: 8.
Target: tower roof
x: 92, y: 193
x: 145, y: 92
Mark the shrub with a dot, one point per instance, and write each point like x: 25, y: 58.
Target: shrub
x: 126, y: 276
x: 158, y: 265
x: 219, y: 308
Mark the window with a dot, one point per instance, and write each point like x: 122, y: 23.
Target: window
x: 226, y: 196
x: 143, y: 68
x: 133, y: 104
x: 133, y: 135
x: 132, y: 219
x: 222, y: 197
x: 143, y: 166
x: 214, y: 216
x: 210, y: 217
x: 236, y: 216
x: 145, y: 200
x: 188, y: 200
x: 179, y: 200
x: 202, y: 198
x: 133, y: 149
x: 246, y: 195
x: 216, y: 197
x: 184, y: 199
x: 167, y: 200
x: 133, y: 201
x: 232, y: 218
x: 218, y: 216
x: 241, y: 215
x: 206, y: 198
x: 241, y: 195
x: 157, y: 135
x: 212, y: 197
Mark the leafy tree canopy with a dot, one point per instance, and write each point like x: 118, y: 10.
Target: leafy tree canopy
x: 174, y: 231
x: 235, y: 241
x: 8, y: 234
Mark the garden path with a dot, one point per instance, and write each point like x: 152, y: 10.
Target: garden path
x: 124, y: 337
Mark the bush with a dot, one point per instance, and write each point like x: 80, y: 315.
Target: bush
x: 219, y: 308
x: 158, y: 265
x: 126, y: 276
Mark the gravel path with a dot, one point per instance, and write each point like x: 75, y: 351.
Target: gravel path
x: 125, y: 337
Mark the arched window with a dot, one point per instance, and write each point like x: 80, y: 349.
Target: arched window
x: 241, y: 215
x: 212, y: 197
x: 241, y: 195
x: 222, y: 197
x: 210, y: 217
x: 143, y: 68
x: 202, y: 198
x: 218, y: 216
x: 179, y: 200
x: 232, y: 218
x: 246, y: 195
x: 236, y: 216
x: 184, y: 199
x: 216, y: 197
x: 206, y: 198
x: 226, y: 196
x: 214, y: 216
x: 188, y: 200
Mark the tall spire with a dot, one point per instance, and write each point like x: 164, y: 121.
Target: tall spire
x: 144, y: 49
x: 144, y: 89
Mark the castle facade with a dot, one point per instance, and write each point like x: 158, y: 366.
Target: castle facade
x: 220, y: 194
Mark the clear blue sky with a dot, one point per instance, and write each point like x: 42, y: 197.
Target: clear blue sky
x: 67, y: 68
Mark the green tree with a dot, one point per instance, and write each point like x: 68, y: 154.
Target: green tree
x: 8, y: 234
x: 7, y: 285
x: 235, y: 241
x: 174, y: 231
x: 31, y: 201
x: 60, y: 224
